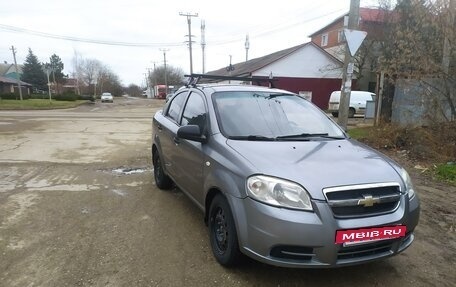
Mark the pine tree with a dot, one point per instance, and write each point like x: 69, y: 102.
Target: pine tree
x: 33, y: 73
x: 57, y: 66
x: 57, y: 76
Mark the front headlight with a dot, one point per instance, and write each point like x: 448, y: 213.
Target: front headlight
x: 278, y: 192
x: 408, y: 183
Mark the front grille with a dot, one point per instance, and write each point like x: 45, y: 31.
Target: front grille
x: 354, y: 252
x: 363, y: 200
x: 292, y: 252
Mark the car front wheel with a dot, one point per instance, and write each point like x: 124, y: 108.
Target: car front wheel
x: 161, y: 179
x: 222, y: 232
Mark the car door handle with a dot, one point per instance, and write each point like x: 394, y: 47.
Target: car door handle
x: 159, y: 127
x: 176, y: 140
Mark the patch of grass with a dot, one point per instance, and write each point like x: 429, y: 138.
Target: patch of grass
x: 447, y: 172
x: 37, y: 104
x: 359, y: 133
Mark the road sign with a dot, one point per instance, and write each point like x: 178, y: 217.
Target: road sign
x: 354, y: 39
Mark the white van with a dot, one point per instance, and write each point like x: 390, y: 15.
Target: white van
x: 357, y: 102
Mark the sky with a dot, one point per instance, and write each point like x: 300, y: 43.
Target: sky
x: 136, y: 32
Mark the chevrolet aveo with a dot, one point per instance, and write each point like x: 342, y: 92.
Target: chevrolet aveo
x: 279, y: 181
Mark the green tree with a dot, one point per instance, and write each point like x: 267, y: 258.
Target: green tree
x: 58, y: 78
x: 33, y: 73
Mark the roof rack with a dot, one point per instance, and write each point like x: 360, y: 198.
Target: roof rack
x: 193, y: 79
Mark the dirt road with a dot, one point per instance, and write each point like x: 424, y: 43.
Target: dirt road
x: 78, y: 207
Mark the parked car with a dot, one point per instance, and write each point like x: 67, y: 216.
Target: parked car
x: 279, y: 181
x: 107, y: 97
x: 358, y: 101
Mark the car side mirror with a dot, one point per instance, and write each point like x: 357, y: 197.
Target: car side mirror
x: 191, y: 132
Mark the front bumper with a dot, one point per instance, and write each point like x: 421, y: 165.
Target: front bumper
x: 293, y: 238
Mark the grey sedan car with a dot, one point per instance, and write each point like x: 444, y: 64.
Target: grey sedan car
x: 279, y: 181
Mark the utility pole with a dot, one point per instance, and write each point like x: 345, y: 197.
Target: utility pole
x: 203, y: 43
x: 145, y: 77
x: 344, y: 104
x: 166, y: 76
x: 446, y: 44
x: 17, y: 73
x: 47, y: 69
x: 148, y: 81
x: 247, y: 47
x: 189, y: 22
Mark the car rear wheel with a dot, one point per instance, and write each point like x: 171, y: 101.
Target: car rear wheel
x: 161, y: 179
x: 222, y: 232
x: 335, y: 114
x: 351, y: 112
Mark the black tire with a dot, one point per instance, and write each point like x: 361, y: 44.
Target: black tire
x: 222, y: 232
x: 335, y: 114
x: 351, y: 112
x: 161, y: 179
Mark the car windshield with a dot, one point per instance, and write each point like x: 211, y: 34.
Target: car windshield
x: 271, y: 116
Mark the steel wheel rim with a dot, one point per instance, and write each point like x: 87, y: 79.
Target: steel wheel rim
x: 220, y: 231
x: 157, y: 169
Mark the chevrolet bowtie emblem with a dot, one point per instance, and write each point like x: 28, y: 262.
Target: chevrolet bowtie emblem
x: 368, y: 200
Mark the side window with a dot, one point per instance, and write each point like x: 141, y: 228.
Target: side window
x: 340, y: 36
x: 324, y: 40
x: 176, y: 106
x: 195, y: 112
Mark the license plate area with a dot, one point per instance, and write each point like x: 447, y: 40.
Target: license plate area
x: 367, y: 235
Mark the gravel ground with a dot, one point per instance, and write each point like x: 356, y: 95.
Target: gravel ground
x: 78, y: 207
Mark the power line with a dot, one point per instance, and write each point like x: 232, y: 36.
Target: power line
x: 237, y: 38
x: 228, y: 40
x: 85, y: 40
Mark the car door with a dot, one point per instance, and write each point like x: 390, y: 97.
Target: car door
x: 167, y: 130
x: 190, y: 154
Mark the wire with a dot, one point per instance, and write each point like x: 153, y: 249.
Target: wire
x: 86, y: 40
x: 271, y: 31
x: 234, y: 38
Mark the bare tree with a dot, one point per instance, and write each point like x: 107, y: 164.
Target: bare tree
x: 175, y: 76
x: 420, y: 45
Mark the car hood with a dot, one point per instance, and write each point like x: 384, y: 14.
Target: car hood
x: 318, y: 164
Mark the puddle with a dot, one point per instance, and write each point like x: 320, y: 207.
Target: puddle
x: 119, y: 192
x: 129, y: 170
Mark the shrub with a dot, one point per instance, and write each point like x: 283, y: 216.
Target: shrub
x: 434, y: 143
x: 86, y: 97
x: 447, y: 171
x: 9, y: 96
x: 39, y: 96
x: 12, y: 96
x: 66, y: 97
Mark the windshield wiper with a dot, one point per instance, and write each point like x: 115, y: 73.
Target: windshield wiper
x: 251, y: 138
x: 308, y: 135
